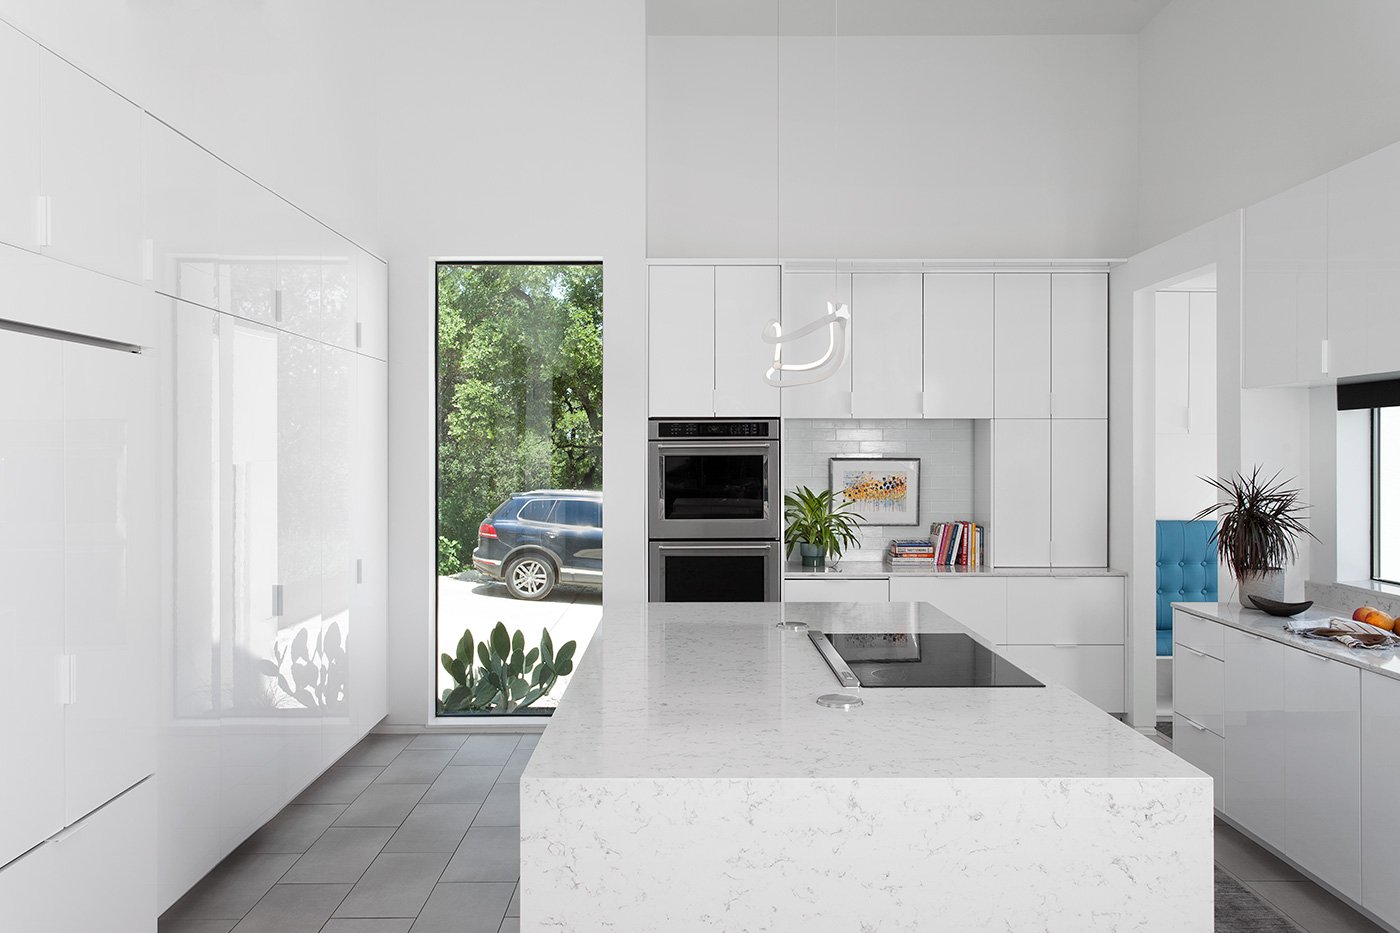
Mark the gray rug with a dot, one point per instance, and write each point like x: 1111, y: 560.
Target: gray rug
x: 1239, y: 910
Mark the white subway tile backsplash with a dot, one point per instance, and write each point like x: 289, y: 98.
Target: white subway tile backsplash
x: 858, y: 434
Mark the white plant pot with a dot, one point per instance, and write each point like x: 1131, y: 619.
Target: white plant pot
x: 1268, y: 585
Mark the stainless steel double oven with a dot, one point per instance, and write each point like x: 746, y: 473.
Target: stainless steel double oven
x: 714, y: 511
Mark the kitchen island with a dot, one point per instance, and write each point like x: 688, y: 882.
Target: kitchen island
x: 690, y: 781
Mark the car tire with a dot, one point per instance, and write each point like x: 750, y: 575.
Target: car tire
x: 529, y: 576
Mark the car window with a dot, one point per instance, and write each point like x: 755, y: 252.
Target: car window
x: 579, y: 512
x: 536, y: 510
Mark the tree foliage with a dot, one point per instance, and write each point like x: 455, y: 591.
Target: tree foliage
x: 520, y: 390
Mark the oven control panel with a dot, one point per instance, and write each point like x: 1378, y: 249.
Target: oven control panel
x: 713, y: 430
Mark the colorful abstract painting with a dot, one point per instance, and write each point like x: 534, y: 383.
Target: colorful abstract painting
x: 881, y: 491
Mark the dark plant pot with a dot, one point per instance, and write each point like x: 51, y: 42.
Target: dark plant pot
x: 813, y: 555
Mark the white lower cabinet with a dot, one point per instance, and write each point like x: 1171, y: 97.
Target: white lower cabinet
x: 977, y: 602
x: 1198, y: 688
x: 836, y: 591
x: 1064, y: 610
x: 1095, y: 672
x: 1203, y: 748
x: 1380, y: 777
x: 1255, y: 730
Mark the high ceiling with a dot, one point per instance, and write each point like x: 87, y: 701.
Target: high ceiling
x: 899, y: 17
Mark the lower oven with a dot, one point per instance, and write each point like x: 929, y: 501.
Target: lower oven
x: 716, y: 571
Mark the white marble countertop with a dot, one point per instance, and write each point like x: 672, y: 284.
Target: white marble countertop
x: 1384, y: 661
x: 878, y: 570
x: 695, y: 690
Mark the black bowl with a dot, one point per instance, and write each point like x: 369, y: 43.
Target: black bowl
x: 1275, y: 608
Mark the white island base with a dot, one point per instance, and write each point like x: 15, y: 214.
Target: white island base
x: 689, y: 781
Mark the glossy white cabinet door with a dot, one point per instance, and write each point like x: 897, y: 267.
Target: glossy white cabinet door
x: 372, y: 282
x: 48, y: 293
x: 977, y: 602
x: 746, y: 298
x: 887, y: 353
x: 1204, y: 749
x: 1201, y: 401
x: 182, y: 215
x: 31, y: 581
x: 1198, y: 688
x: 805, y: 297
x: 1256, y: 731
x: 680, y: 349
x: 1380, y: 763
x: 1173, y: 358
x: 1020, y: 526
x: 370, y: 542
x: 249, y: 238
x: 1363, y: 264
x: 90, y: 169
x: 1065, y: 610
x: 1022, y: 345
x: 1285, y: 286
x: 1095, y: 672
x: 1079, y: 344
x: 19, y: 156
x: 330, y: 647
x: 300, y: 240
x: 1322, y: 701
x: 112, y: 572
x: 339, y: 293
x: 1079, y: 493
x: 836, y: 591
x: 958, y: 345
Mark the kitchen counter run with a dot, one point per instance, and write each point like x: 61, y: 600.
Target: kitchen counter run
x: 878, y: 570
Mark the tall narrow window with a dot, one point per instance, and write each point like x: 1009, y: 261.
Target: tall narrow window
x: 519, y: 480
x: 1385, y: 494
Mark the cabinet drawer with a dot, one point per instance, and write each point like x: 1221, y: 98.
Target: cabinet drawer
x: 836, y: 591
x: 977, y: 602
x: 1201, y: 634
x: 1095, y: 672
x: 1203, y: 748
x: 1198, y: 688
x: 1064, y: 611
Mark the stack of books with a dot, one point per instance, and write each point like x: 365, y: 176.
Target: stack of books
x: 950, y: 544
x: 920, y: 553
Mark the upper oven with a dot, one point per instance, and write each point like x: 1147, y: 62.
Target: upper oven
x: 713, y: 479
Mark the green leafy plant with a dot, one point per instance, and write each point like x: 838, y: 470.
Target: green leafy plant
x: 1260, y: 523
x: 813, y: 519
x: 499, y: 676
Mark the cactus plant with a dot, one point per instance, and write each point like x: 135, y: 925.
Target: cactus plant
x: 499, y: 676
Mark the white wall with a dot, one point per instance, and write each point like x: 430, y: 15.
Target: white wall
x: 507, y: 130
x: 945, y: 146
x: 1185, y: 403
x: 1242, y: 100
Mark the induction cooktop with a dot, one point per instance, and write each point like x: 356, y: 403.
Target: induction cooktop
x: 904, y: 659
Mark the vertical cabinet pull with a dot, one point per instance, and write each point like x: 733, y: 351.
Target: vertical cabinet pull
x: 277, y: 599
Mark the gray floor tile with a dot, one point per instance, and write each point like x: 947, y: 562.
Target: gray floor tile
x: 340, y: 856
x: 339, y: 784
x: 233, y: 887
x: 376, y: 749
x: 488, y: 853
x: 195, y: 926
x: 530, y: 740
x: 433, y: 827
x: 510, y: 925
x: 381, y: 925
x: 382, y: 805
x: 1248, y: 861
x: 486, y: 750
x: 416, y: 766
x: 397, y: 884
x: 515, y: 766
x: 438, y: 740
x: 293, y: 908
x: 514, y: 909
x: 294, y: 829
x: 1312, y: 908
x: 464, y: 908
x: 470, y: 784
x: 502, y: 807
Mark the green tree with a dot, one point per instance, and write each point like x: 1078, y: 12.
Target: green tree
x: 520, y: 389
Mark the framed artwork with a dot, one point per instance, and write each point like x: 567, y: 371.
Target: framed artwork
x: 882, y: 491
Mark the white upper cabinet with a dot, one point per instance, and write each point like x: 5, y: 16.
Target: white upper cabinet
x: 805, y: 298
x: 1078, y: 497
x: 1022, y: 356
x: 1079, y: 345
x: 1363, y: 265
x: 1020, y: 525
x: 182, y: 215
x: 90, y: 171
x: 958, y: 342
x: 249, y: 237
x: 1285, y: 286
x: 887, y: 352
x: 680, y: 351
x: 300, y: 240
x: 372, y: 305
x: 746, y: 298
x: 19, y: 155
x: 339, y: 294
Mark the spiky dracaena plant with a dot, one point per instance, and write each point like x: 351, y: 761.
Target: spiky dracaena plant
x: 811, y: 518
x: 1260, y: 523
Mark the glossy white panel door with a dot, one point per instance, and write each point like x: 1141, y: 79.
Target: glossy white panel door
x: 1079, y: 344
x: 1022, y: 345
x: 1020, y: 526
x: 1380, y: 763
x: 1363, y: 264
x: 330, y: 657
x: 680, y: 346
x: 958, y: 345
x: 1256, y: 734
x: 1204, y: 749
x: 90, y: 169
x: 370, y: 543
x: 112, y: 572
x: 1068, y: 610
x: 1198, y: 688
x: 805, y: 297
x: 1173, y: 359
x: 836, y: 591
x: 746, y: 298
x: 249, y: 237
x: 1323, y: 774
x: 300, y: 241
x: 19, y: 156
x: 339, y: 293
x: 1079, y: 493
x: 182, y: 215
x: 978, y: 603
x: 372, y: 305
x: 1095, y: 672
x: 1284, y: 316
x: 1201, y: 402
x: 887, y: 353
x: 31, y: 589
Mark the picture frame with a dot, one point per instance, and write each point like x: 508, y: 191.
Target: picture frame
x: 881, y: 490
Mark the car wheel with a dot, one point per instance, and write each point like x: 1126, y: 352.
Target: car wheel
x: 529, y: 577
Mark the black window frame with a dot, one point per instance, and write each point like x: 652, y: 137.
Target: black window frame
x: 1376, y: 499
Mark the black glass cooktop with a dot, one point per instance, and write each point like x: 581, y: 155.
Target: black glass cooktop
x: 943, y: 659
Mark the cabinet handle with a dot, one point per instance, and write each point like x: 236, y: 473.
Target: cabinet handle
x: 1317, y: 657
x: 277, y: 599
x: 1253, y: 636
x: 1199, y: 654
x: 1198, y: 726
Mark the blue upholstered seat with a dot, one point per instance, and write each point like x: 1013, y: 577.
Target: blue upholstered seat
x: 1186, y: 572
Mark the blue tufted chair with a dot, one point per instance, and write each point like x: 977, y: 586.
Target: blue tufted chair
x: 1186, y: 572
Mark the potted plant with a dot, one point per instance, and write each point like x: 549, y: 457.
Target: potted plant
x: 1260, y: 524
x: 817, y: 526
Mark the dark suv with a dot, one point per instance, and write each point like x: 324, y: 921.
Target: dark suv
x: 535, y: 540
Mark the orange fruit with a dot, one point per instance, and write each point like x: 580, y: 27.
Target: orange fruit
x: 1360, y: 614
x: 1380, y: 620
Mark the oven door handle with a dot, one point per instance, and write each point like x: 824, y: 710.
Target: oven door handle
x: 714, y: 547
x: 753, y: 446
